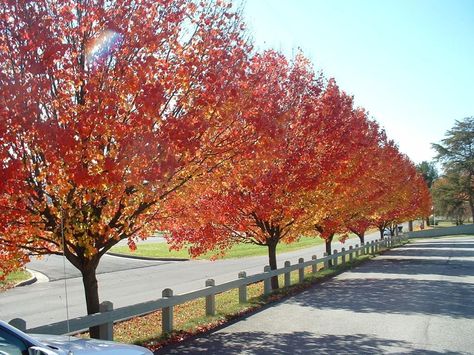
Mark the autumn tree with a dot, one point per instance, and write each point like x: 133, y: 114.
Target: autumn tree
x: 405, y: 193
x: 108, y: 108
x: 257, y: 199
x: 333, y: 201
x: 456, y: 152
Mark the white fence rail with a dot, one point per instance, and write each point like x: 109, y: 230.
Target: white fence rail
x: 108, y: 315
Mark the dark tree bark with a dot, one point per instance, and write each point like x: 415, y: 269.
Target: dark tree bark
x: 273, y: 262
x: 328, y: 243
x: 361, y: 238
x: 381, y: 229
x: 91, y: 289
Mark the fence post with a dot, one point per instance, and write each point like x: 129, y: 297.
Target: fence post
x: 314, y: 266
x: 335, y: 256
x: 267, y: 287
x: 343, y: 251
x: 210, y: 299
x: 357, y: 250
x: 18, y: 323
x: 367, y: 248
x: 326, y: 263
x: 301, y: 270
x: 106, y: 330
x: 243, y: 288
x: 167, y: 313
x: 351, y: 256
x: 372, y: 248
x: 287, y: 275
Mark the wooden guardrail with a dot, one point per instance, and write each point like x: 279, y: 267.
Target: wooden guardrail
x: 108, y: 315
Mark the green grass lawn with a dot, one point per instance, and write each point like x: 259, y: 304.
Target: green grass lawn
x: 13, y: 278
x: 161, y: 250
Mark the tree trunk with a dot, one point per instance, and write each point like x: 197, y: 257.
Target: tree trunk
x: 328, y: 242
x: 427, y: 221
x: 381, y: 229
x: 471, y: 204
x: 273, y: 262
x: 361, y: 238
x: 410, y: 226
x: 91, y: 290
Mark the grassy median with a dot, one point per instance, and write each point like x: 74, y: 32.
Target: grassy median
x: 161, y: 250
x: 13, y: 278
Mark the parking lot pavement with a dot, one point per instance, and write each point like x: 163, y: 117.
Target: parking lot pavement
x: 415, y: 299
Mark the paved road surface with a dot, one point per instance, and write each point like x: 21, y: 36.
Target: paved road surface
x: 413, y: 300
x: 126, y: 281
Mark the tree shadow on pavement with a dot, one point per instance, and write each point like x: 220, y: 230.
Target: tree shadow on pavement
x: 293, y: 343
x: 440, y: 245
x: 420, y: 267
x: 396, y: 296
x: 430, y: 252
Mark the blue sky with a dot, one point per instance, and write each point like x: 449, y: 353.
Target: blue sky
x: 410, y: 63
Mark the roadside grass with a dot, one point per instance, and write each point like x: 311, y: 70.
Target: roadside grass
x: 13, y: 278
x: 190, y: 318
x: 161, y: 250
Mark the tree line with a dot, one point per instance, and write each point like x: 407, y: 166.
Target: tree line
x: 120, y: 118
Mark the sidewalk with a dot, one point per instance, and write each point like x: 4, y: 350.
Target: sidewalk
x: 414, y: 299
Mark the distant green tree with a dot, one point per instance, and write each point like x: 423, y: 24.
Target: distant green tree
x: 456, y: 152
x: 428, y: 171
x: 449, y: 197
x: 430, y: 174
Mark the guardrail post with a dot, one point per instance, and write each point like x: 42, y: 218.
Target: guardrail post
x: 267, y: 287
x: 287, y: 275
x: 357, y: 250
x: 301, y: 270
x: 106, y: 331
x: 343, y: 252
x: 372, y: 248
x: 335, y: 256
x: 326, y: 263
x: 210, y: 299
x: 18, y: 323
x: 351, y: 252
x: 367, y: 248
x: 314, y: 266
x: 167, y: 313
x: 243, y: 288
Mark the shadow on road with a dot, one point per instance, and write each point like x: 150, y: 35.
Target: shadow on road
x: 294, y: 343
x: 396, y: 296
x: 428, y: 267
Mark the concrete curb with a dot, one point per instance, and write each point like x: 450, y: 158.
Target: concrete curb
x: 30, y: 281
x: 146, y: 257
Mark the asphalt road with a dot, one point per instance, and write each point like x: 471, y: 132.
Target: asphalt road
x: 416, y: 299
x: 126, y: 281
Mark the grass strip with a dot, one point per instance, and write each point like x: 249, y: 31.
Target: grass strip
x: 161, y: 250
x: 13, y: 278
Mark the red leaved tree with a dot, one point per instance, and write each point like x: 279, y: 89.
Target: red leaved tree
x: 107, y: 109
x: 259, y: 198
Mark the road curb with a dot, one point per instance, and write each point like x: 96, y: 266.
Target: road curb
x: 30, y: 281
x: 146, y: 257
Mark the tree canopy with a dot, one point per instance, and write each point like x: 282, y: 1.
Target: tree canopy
x: 456, y: 153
